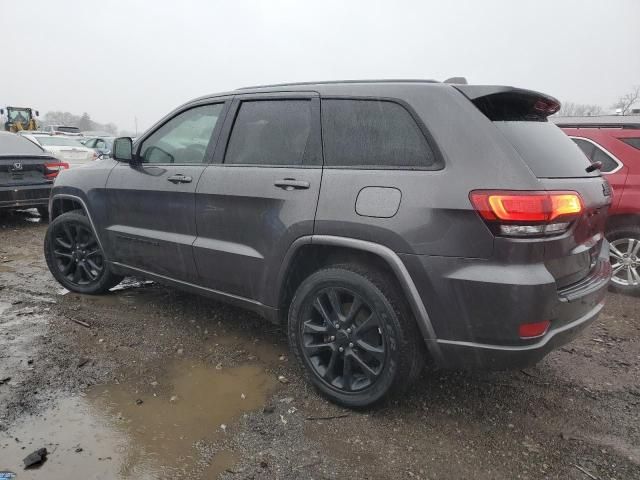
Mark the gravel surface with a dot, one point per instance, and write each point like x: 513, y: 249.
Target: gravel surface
x: 91, y: 379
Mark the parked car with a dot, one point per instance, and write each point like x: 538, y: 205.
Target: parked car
x: 425, y: 222
x: 26, y: 174
x: 101, y: 145
x: 66, y: 149
x: 63, y: 130
x: 616, y: 144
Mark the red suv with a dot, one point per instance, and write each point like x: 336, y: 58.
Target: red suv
x: 616, y: 144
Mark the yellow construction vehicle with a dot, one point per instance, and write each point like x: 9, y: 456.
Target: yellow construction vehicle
x: 19, y: 118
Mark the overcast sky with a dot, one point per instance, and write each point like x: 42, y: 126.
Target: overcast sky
x: 122, y: 59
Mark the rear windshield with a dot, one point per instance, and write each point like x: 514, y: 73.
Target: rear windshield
x: 12, y: 144
x: 68, y: 129
x: 58, y: 141
x: 547, y: 150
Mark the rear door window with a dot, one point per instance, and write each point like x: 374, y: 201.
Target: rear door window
x: 373, y: 134
x: 270, y: 132
x: 546, y: 149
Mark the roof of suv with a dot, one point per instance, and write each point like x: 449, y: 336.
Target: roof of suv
x: 338, y: 82
x: 344, y: 87
x: 391, y: 87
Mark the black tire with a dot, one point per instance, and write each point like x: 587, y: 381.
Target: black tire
x: 620, y: 238
x: 70, y: 246
x: 394, y: 332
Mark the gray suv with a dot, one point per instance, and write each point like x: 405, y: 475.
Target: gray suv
x: 384, y: 223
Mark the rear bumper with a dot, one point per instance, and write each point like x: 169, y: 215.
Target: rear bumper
x: 476, y: 307
x: 502, y: 357
x: 21, y: 196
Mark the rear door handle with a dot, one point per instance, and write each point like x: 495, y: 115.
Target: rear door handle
x: 292, y: 184
x: 179, y: 178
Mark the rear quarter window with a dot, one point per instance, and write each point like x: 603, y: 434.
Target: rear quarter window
x: 374, y: 134
x: 634, y: 142
x: 546, y: 149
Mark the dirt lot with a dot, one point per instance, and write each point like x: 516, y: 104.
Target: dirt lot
x: 155, y: 383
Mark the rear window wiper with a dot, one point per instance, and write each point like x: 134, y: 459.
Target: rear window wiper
x: 594, y: 166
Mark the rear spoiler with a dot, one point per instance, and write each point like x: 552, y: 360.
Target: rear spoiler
x: 501, y: 103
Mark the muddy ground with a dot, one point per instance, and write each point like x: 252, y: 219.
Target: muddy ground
x: 148, y: 382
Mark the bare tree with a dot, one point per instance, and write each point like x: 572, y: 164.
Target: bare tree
x: 625, y: 102
x: 571, y: 109
x: 83, y: 122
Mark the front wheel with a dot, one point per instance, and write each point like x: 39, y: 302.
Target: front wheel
x: 624, y: 251
x: 354, y: 336
x: 74, y: 256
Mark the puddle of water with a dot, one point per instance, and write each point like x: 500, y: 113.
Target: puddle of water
x: 121, y: 439
x: 61, y: 430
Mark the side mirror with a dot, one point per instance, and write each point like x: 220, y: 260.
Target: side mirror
x: 123, y: 149
x: 37, y: 113
x: 1, y: 111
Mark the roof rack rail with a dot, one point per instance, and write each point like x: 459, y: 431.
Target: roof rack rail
x: 331, y: 82
x: 632, y: 126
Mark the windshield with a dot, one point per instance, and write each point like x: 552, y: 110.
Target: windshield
x: 18, y: 115
x: 58, y: 141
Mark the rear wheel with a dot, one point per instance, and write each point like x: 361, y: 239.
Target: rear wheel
x: 624, y: 254
x: 353, y: 335
x: 74, y: 256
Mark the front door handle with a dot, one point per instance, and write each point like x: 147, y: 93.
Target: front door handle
x: 292, y: 184
x: 179, y: 178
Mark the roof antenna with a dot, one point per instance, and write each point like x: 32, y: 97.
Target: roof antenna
x: 457, y: 80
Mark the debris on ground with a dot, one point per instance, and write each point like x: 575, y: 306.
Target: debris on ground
x: 35, y: 459
x: 82, y: 362
x: 328, y: 417
x: 128, y: 283
x: 80, y: 322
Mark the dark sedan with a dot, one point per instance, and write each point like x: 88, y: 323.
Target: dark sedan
x: 26, y: 173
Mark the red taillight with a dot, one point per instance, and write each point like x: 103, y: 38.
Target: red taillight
x: 533, y: 330
x: 524, y: 213
x: 52, y: 169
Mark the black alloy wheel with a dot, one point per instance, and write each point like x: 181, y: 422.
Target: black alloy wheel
x: 77, y: 253
x: 343, y: 340
x: 354, y: 335
x: 74, y: 255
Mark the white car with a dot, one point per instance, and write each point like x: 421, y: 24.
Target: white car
x: 64, y: 148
